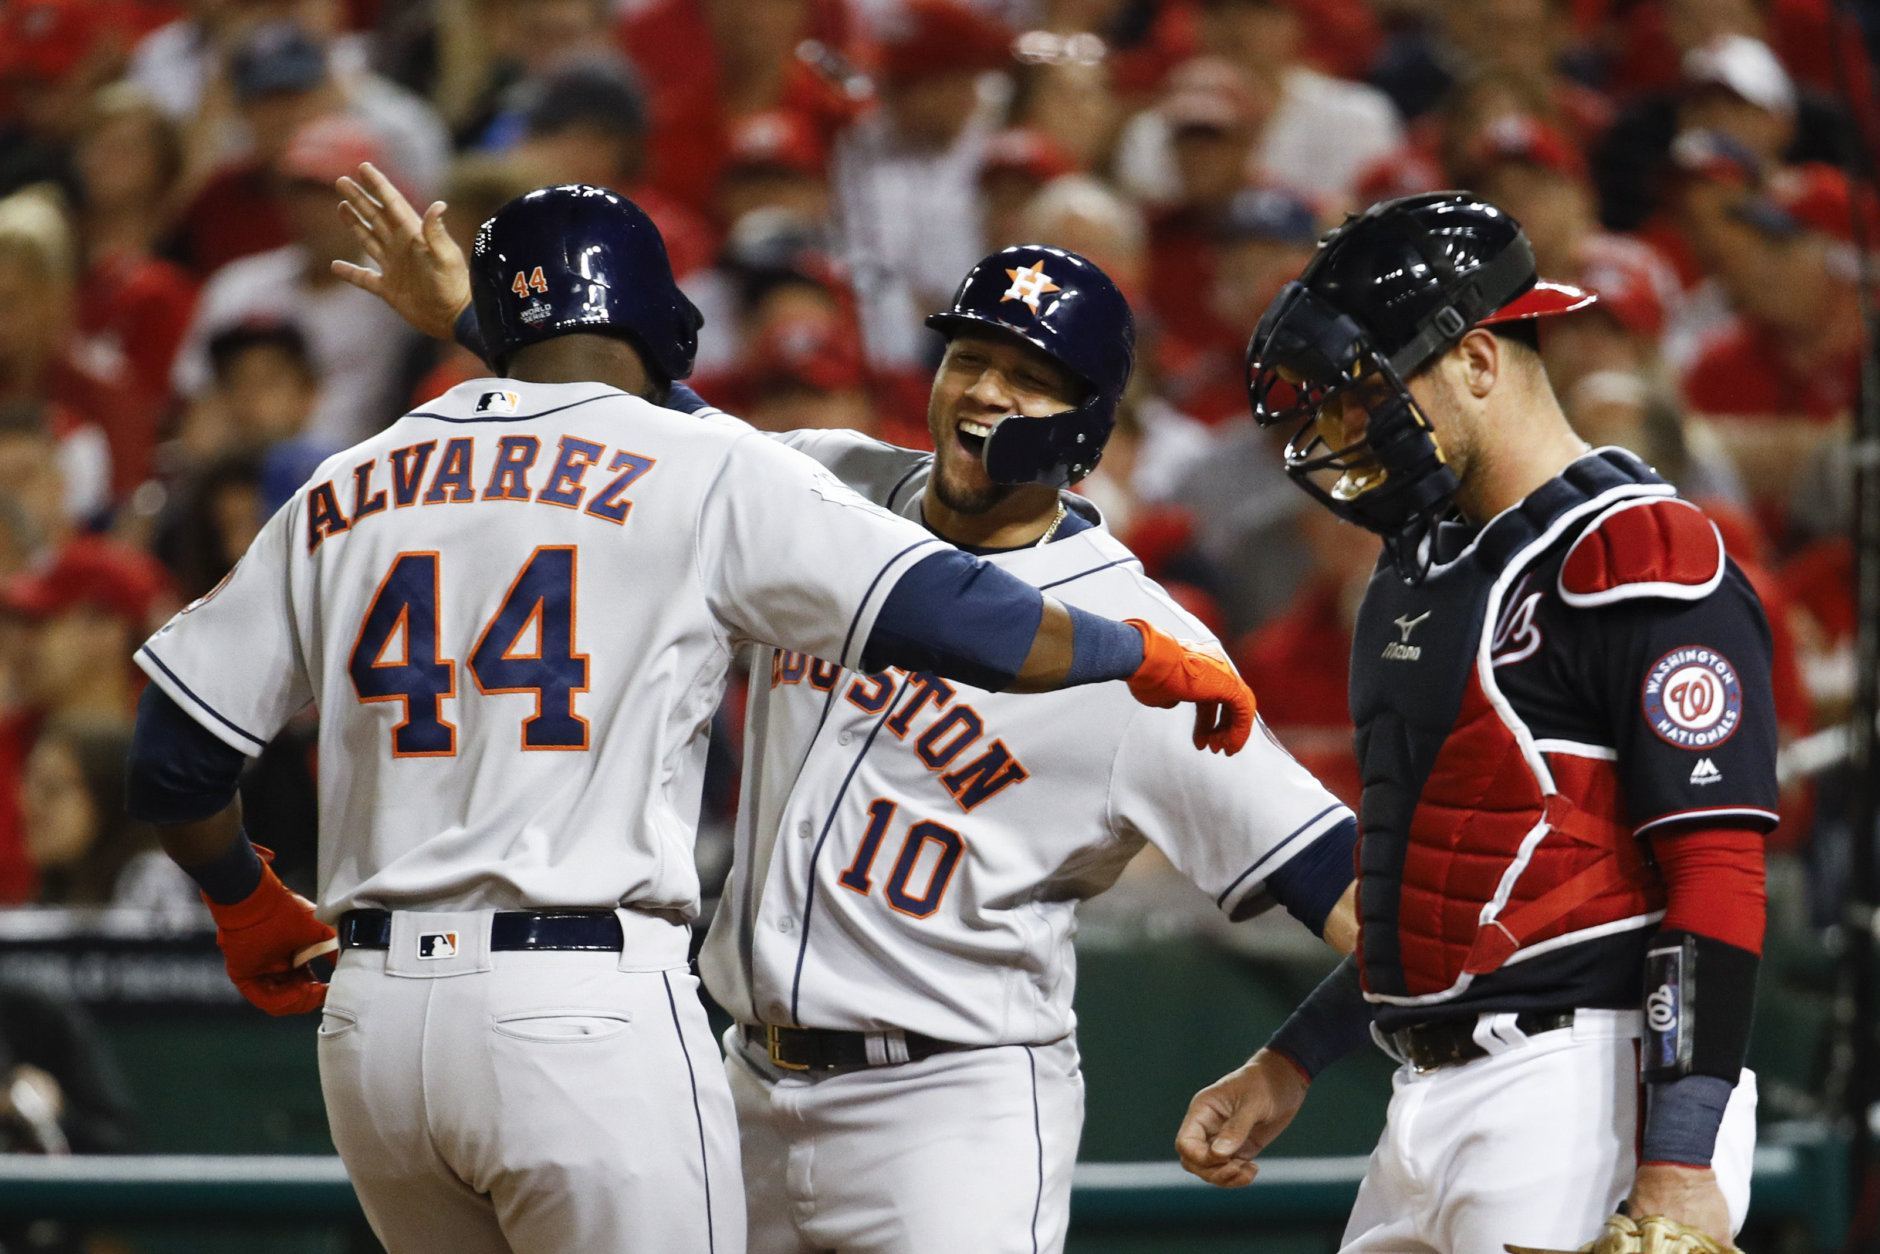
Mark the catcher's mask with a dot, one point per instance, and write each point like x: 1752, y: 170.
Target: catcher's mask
x: 1388, y: 292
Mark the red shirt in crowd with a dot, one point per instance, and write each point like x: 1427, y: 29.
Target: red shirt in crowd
x: 236, y: 214
x: 132, y: 314
x: 1743, y: 370
x: 1300, y: 666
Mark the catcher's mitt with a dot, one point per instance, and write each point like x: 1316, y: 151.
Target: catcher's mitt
x: 1653, y: 1234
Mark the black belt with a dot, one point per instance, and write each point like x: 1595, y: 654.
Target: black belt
x: 1427, y: 1046
x: 818, y: 1049
x: 509, y: 929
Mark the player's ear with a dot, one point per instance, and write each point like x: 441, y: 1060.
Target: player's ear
x: 1480, y: 361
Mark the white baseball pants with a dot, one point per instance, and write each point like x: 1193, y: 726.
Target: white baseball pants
x: 964, y: 1151
x: 1536, y: 1144
x: 533, y: 1102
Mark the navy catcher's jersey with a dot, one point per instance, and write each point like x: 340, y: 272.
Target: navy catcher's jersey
x: 1585, y: 670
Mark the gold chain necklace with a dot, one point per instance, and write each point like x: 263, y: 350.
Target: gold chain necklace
x: 1052, y: 529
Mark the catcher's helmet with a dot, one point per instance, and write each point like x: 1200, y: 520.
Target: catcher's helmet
x: 576, y: 258
x: 1065, y: 307
x: 1388, y: 292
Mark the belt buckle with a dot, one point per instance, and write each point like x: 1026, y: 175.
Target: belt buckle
x: 771, y: 1043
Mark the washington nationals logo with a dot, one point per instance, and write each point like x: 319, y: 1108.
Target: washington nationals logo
x: 1028, y: 284
x: 1693, y: 698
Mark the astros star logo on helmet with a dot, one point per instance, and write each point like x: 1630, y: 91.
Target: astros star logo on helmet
x: 1028, y: 284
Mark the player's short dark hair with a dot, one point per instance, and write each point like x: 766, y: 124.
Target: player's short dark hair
x: 1525, y: 332
x: 226, y: 347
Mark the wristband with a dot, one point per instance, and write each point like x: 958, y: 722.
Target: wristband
x: 230, y: 876
x: 1101, y: 649
x: 468, y: 334
x: 1682, y: 1119
x: 1333, y: 1020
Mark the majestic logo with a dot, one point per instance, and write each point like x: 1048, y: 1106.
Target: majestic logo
x: 498, y: 403
x: 1693, y: 698
x: 1705, y: 772
x: 437, y: 944
x: 1401, y: 650
x: 1028, y: 284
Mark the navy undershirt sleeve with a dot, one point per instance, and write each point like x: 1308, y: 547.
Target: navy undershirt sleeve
x: 958, y: 617
x: 1313, y: 879
x: 1332, y: 1021
x: 468, y: 334
x: 178, y: 770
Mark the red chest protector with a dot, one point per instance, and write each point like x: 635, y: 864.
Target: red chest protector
x: 1483, y: 842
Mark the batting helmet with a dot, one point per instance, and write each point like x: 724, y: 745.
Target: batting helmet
x: 1067, y: 309
x: 1388, y: 292
x: 576, y: 258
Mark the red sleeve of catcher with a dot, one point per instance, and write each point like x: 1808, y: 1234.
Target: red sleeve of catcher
x: 1713, y: 883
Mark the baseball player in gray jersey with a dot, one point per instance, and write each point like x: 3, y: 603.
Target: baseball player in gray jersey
x: 516, y: 608
x: 895, y: 936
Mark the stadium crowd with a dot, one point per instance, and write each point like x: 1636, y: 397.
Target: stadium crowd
x: 175, y: 355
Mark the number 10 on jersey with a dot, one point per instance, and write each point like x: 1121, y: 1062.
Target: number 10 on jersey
x: 398, y: 655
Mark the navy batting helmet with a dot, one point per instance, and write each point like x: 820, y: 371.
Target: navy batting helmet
x: 1388, y: 292
x: 576, y: 258
x: 1066, y: 308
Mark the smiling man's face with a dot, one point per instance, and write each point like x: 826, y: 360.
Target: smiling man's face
x: 982, y: 379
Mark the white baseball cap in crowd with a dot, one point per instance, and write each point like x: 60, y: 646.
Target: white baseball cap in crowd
x: 1744, y: 66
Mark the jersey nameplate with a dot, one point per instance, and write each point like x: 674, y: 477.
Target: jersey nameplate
x: 448, y: 473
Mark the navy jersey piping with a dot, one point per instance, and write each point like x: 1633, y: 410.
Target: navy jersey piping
x: 1266, y: 857
x: 822, y: 838
x: 191, y: 694
x: 698, y: 1116
x: 422, y: 413
x: 848, y: 637
x: 1058, y: 583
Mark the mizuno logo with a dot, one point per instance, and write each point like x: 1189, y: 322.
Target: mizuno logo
x: 1401, y: 650
x: 1406, y: 624
x: 1705, y: 772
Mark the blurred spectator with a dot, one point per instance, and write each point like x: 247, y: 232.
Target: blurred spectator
x: 1300, y: 663
x: 776, y: 161
x: 1735, y: 86
x: 53, y: 54
x: 86, y: 850
x: 708, y: 63
x: 215, y: 517
x: 1083, y: 214
x: 1016, y: 165
x: 67, y: 625
x: 808, y: 373
x: 907, y: 175
x: 280, y: 77
x: 1787, y: 368
x: 40, y: 365
x: 1210, y: 114
x: 359, y: 345
x: 1064, y: 92
x: 1262, y: 243
x: 132, y: 305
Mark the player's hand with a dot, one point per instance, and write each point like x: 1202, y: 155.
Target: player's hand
x: 262, y: 935
x: 1687, y: 1194
x: 421, y: 272
x: 1174, y: 671
x: 1236, y: 1117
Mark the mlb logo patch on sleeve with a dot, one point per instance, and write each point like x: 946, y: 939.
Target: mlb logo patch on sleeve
x: 437, y: 944
x: 1693, y: 698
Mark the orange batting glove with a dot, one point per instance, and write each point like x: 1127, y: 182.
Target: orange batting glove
x: 259, y: 937
x: 1173, y: 671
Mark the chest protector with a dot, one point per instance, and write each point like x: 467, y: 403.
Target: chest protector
x: 1473, y: 847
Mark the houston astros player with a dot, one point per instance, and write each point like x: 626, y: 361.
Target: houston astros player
x: 894, y: 939
x: 516, y: 608
x: 1562, y: 694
